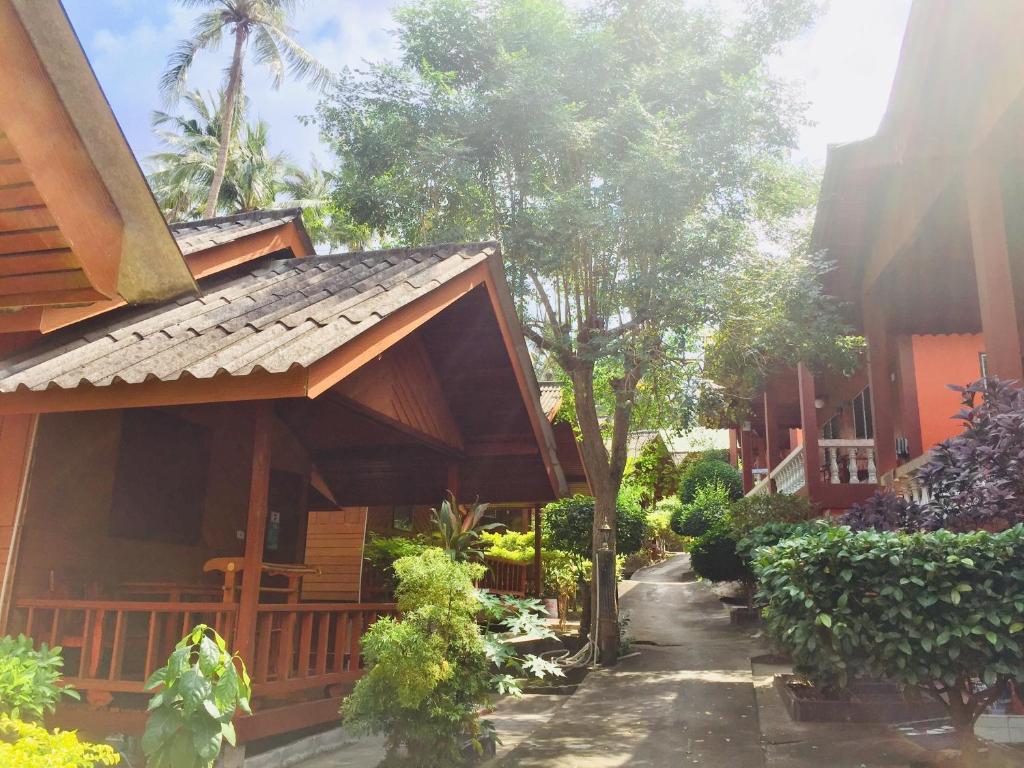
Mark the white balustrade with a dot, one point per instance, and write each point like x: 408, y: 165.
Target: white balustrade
x: 855, y: 456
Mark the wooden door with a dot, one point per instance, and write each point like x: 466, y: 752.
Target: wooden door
x: 334, y: 544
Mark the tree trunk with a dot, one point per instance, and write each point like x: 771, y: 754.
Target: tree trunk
x: 227, y: 124
x: 604, y: 619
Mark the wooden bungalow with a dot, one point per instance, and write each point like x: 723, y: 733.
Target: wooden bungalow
x: 179, y: 456
x: 922, y: 222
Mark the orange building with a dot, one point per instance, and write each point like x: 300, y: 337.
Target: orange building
x: 923, y: 222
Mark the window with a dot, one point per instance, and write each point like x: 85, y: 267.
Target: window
x: 831, y: 429
x: 863, y: 424
x: 160, y: 480
x: 401, y: 519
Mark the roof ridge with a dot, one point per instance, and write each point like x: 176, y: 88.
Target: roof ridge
x: 240, y: 216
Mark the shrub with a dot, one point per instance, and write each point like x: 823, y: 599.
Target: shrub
x: 654, y: 472
x: 772, y: 533
x: 201, y: 688
x: 26, y: 745
x: 383, y: 551
x: 934, y: 611
x: 29, y: 678
x: 710, y: 504
x: 707, y: 472
x: 459, y: 529
x: 568, y: 525
x: 429, y: 674
x: 510, y: 545
x: 755, y: 511
x: 884, y: 511
x: 714, y: 556
x: 659, y: 523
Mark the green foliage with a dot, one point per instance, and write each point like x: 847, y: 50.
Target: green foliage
x: 707, y: 472
x: 29, y: 678
x: 383, y: 551
x: 714, y: 555
x: 761, y: 509
x: 927, y: 610
x: 654, y: 472
x: 429, y: 674
x: 778, y: 315
x: 26, y: 745
x: 459, y: 529
x: 710, y: 505
x: 509, y: 545
x: 201, y: 687
x: 770, y: 534
x: 568, y: 525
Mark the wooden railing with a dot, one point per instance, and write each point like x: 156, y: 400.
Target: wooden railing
x: 310, y: 645
x: 114, y: 646
x: 505, y: 577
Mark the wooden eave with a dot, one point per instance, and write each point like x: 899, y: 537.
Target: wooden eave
x: 78, y: 223
x: 325, y: 373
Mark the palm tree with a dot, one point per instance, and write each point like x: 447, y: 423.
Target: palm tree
x: 181, y: 175
x: 265, y: 23
x: 326, y: 222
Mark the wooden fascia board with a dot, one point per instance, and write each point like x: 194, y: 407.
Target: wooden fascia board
x: 216, y: 259
x: 75, y: 128
x: 519, y: 357
x: 336, y: 365
x: 46, y: 139
x: 186, y: 391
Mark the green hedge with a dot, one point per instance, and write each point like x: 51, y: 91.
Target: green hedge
x: 931, y: 610
x: 762, y: 509
x: 707, y: 472
x: 710, y: 504
x: 714, y: 556
x: 568, y: 525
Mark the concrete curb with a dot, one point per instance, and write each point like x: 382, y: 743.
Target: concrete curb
x: 299, y: 751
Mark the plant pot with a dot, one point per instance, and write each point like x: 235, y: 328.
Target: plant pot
x: 551, y: 607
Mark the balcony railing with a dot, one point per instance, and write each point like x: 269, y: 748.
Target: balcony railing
x: 505, y: 577
x: 840, y: 462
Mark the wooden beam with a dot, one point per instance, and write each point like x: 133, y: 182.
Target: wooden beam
x: 1000, y: 322
x: 809, y: 422
x: 255, y: 531
x: 210, y: 261
x: 771, y: 429
x: 747, y: 457
x: 17, y: 439
x: 421, y: 437
x: 910, y: 415
x: 219, y: 389
x: 538, y: 542
x: 876, y: 331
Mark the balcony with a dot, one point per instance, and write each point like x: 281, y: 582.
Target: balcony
x: 844, y: 473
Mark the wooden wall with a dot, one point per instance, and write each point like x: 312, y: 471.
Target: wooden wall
x: 67, y: 547
x: 334, y: 544
x: 16, y: 440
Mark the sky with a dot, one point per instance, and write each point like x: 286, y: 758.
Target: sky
x: 844, y: 65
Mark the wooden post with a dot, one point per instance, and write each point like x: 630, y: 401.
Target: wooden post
x: 771, y: 430
x: 809, y: 424
x: 17, y: 441
x: 733, y: 454
x: 255, y: 532
x: 999, y: 321
x: 910, y: 414
x: 538, y: 565
x: 608, y: 631
x: 880, y: 377
x: 747, y: 456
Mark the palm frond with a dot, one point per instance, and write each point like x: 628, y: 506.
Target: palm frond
x: 301, y: 63
x: 266, y: 52
x: 175, y: 77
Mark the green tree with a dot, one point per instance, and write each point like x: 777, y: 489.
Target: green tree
x: 621, y: 153
x: 180, y: 176
x: 264, y: 23
x: 325, y: 221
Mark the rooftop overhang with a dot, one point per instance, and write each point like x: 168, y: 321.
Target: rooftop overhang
x: 957, y: 96
x: 78, y: 223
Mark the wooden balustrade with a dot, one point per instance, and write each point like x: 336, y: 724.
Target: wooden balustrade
x: 113, y: 646
x: 505, y: 577
x: 310, y: 645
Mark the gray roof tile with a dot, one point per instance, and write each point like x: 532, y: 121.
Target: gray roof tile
x: 193, y: 236
x: 267, y: 316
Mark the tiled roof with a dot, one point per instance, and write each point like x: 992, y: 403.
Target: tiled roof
x: 550, y: 398
x: 268, y: 317
x: 199, y: 235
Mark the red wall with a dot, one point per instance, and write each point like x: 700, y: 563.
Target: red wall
x: 938, y: 361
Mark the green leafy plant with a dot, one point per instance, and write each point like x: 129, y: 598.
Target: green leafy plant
x: 460, y: 530
x: 753, y: 512
x: 429, y: 675
x: 939, y: 612
x: 710, y: 504
x: 383, y: 551
x: 708, y: 472
x: 27, y: 745
x: 654, y: 472
x: 714, y: 555
x: 30, y: 678
x: 509, y: 545
x: 568, y: 525
x: 201, y: 687
x: 659, y: 523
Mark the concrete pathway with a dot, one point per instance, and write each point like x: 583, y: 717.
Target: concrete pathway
x: 686, y: 699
